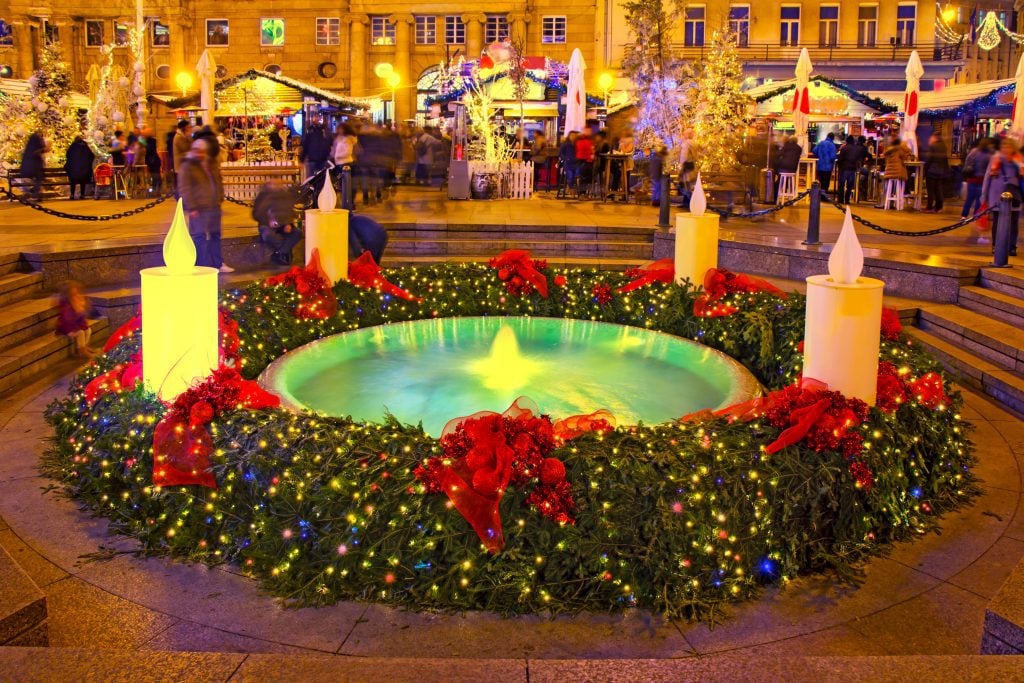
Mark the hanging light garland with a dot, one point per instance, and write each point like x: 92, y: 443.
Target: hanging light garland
x: 990, y: 30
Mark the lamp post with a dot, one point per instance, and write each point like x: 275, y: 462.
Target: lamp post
x: 183, y: 81
x: 393, y: 80
x: 386, y: 72
x: 605, y: 82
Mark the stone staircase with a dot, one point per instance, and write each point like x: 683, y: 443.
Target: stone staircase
x: 28, y: 345
x: 980, y: 338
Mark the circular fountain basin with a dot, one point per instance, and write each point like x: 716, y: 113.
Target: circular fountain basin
x: 431, y: 371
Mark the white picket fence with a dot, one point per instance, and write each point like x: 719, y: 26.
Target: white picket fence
x: 515, y: 178
x: 244, y: 181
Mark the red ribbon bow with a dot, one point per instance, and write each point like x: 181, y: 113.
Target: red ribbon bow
x: 364, y: 272
x: 316, y: 298
x: 128, y: 329
x: 117, y: 379
x: 516, y: 268
x: 655, y: 271
x: 570, y: 428
x: 718, y: 282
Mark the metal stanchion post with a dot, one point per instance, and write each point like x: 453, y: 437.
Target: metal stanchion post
x: 346, y: 187
x: 769, y: 186
x: 814, y: 216
x: 664, y: 206
x: 1001, y: 258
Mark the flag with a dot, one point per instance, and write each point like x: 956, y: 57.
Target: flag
x: 974, y: 23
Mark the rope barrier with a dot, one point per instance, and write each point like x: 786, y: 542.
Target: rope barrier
x: 763, y: 212
x: 910, y: 233
x: 79, y: 217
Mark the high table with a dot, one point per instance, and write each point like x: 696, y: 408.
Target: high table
x: 916, y: 169
x: 616, y: 158
x: 809, y: 170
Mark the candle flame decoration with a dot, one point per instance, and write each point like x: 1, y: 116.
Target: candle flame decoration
x: 328, y: 199
x: 179, y: 249
x: 698, y: 201
x: 847, y: 259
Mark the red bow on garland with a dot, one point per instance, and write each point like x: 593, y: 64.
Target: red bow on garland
x: 655, y: 271
x: 487, y: 452
x: 570, y: 428
x: 128, y: 329
x: 364, y: 272
x: 119, y: 378
x: 520, y: 273
x: 718, y: 282
x: 182, y: 444
x: 316, y: 298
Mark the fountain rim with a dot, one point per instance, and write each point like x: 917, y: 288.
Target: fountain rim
x: 745, y: 385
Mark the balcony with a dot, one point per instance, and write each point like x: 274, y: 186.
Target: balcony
x: 840, y: 52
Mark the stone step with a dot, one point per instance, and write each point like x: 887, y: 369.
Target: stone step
x: 993, y: 304
x: 974, y: 371
x: 1004, y: 280
x: 397, y: 261
x: 25, y: 320
x: 18, y: 286
x: 25, y: 361
x: 405, y: 246
x: 11, y: 263
x: 991, y: 339
x: 513, y: 231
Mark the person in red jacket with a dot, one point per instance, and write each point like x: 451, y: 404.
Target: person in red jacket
x: 585, y: 157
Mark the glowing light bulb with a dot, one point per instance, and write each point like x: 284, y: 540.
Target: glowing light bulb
x: 179, y: 249
x: 328, y: 198
x: 847, y: 259
x: 698, y: 201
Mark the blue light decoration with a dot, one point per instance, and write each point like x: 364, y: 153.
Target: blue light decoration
x: 916, y: 492
x: 975, y: 106
x: 767, y: 568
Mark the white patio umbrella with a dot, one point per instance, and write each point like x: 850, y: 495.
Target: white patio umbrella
x: 908, y: 131
x: 1017, y: 127
x: 802, y: 99
x: 207, y: 70
x: 576, y: 94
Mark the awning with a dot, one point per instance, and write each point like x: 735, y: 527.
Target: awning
x: 955, y: 100
x: 269, y: 93
x: 767, y: 91
x: 20, y: 90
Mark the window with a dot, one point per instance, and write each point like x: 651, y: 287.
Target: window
x: 426, y: 30
x: 496, y: 28
x: 6, y: 34
x: 867, y: 25
x: 789, y: 25
x: 120, y: 34
x: 454, y: 30
x: 217, y: 32
x: 271, y: 32
x: 328, y: 31
x: 693, y: 26
x: 739, y: 23
x: 906, y: 18
x: 382, y: 31
x: 161, y: 34
x: 94, y: 33
x: 50, y: 32
x: 553, y: 30
x: 828, y: 26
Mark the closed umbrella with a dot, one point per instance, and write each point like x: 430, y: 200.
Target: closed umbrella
x: 1017, y: 127
x: 207, y: 70
x: 908, y: 132
x: 802, y: 99
x: 576, y: 94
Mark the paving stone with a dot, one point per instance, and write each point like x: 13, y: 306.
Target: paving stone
x: 314, y: 669
x: 186, y: 636
x: 1004, y: 616
x: 986, y: 575
x: 384, y: 631
x: 997, y: 466
x: 22, y: 604
x: 946, y: 619
x: 82, y: 615
x: 45, y: 665
x: 835, y: 641
x: 39, y: 569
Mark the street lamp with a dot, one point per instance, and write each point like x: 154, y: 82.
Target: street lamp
x: 386, y: 72
x: 393, y: 80
x: 184, y: 81
x: 605, y: 82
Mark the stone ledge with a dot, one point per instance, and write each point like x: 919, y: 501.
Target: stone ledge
x: 1004, y: 618
x: 22, y: 606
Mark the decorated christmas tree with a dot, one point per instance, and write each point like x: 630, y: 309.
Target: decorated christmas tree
x: 259, y: 148
x: 714, y: 107
x: 650, y: 63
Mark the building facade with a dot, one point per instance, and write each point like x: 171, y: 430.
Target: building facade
x: 335, y: 46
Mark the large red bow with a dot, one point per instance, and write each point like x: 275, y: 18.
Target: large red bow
x: 718, y: 282
x: 520, y: 273
x: 126, y: 330
x: 316, y: 298
x: 569, y: 428
x: 364, y: 272
x: 117, y: 379
x: 655, y: 271
x: 182, y: 444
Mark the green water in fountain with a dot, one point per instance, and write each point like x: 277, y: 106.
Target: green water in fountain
x: 434, y: 370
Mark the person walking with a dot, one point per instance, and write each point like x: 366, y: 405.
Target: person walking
x: 567, y: 158
x: 975, y: 167
x: 33, y: 163
x: 826, y: 153
x: 202, y: 193
x: 151, y: 158
x: 78, y: 165
x: 343, y: 153
x: 936, y: 169
x: 1004, y: 175
x: 316, y: 149
x: 180, y: 147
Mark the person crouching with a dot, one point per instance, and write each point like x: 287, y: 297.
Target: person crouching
x: 274, y: 212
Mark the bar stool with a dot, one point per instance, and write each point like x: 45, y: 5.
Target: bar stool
x: 894, y: 188
x: 787, y: 187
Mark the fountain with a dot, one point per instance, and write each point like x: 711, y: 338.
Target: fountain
x: 432, y: 370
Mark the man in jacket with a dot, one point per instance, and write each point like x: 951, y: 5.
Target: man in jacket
x: 78, y: 165
x: 316, y: 148
x: 202, y: 193
x: 936, y: 169
x: 850, y: 158
x: 274, y: 212
x: 826, y: 153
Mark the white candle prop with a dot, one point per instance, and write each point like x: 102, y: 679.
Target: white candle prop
x: 696, y: 239
x: 179, y: 316
x: 844, y: 319
x: 327, y: 231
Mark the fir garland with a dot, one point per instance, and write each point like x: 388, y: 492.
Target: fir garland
x: 554, y: 83
x: 677, y: 518
x: 876, y: 103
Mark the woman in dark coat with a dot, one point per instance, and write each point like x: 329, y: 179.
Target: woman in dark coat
x: 78, y: 165
x: 32, y: 163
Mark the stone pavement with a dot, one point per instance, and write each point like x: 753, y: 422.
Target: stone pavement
x: 927, y: 597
